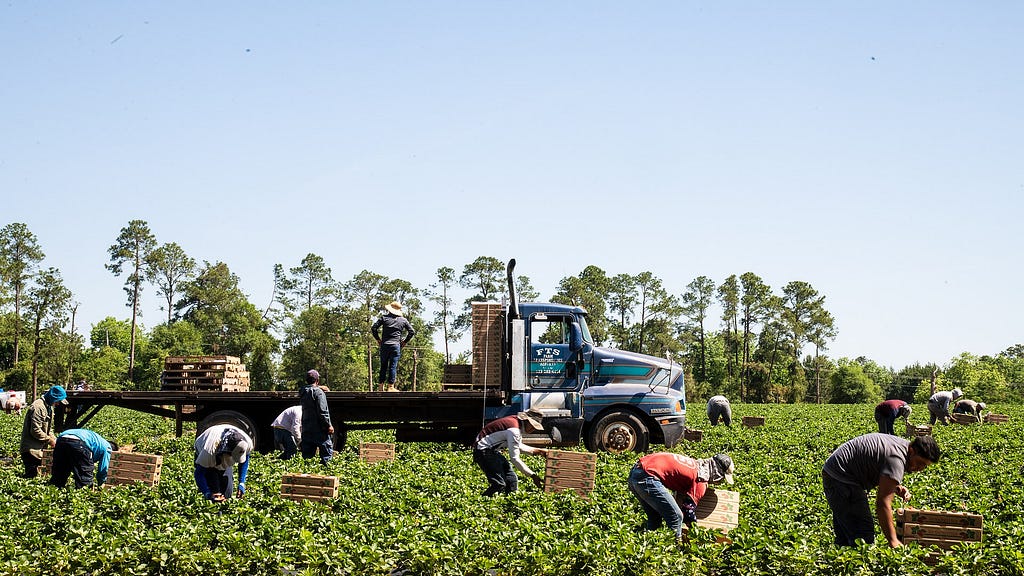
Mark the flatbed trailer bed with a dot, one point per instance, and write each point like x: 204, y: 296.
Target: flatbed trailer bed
x: 415, y: 416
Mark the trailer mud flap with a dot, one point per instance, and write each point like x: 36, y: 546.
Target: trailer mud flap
x: 672, y: 429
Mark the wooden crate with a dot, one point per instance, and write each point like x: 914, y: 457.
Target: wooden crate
x: 44, y: 468
x: 133, y: 467
x: 309, y: 487
x: 693, y: 435
x: 938, y: 528
x: 753, y: 421
x: 376, y: 451
x: 997, y: 418
x: 964, y: 418
x: 918, y: 430
x: 719, y: 510
x: 568, y: 470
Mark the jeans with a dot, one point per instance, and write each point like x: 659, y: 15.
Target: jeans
x: 283, y: 439
x: 389, y: 355
x: 309, y: 446
x: 500, y: 475
x: 657, y: 501
x: 71, y: 456
x: 851, y: 515
x: 938, y: 413
x: 716, y: 411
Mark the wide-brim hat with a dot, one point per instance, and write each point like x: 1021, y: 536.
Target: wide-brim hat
x: 394, y: 308
x: 533, y: 417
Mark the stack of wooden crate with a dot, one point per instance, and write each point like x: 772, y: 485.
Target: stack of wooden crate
x: 938, y: 528
x: 309, y: 487
x: 918, y: 430
x: 997, y: 418
x: 225, y: 373
x: 487, y: 335
x: 719, y: 509
x: 567, y: 470
x: 44, y: 468
x: 753, y: 421
x: 134, y: 467
x: 376, y: 451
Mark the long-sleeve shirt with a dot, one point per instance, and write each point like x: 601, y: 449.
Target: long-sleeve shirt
x: 206, y: 447
x: 290, y: 420
x: 392, y: 326
x: 502, y: 433
x: 316, y: 417
x: 99, y: 447
x: 37, y: 430
x: 890, y: 408
x: 677, y: 472
x: 942, y: 399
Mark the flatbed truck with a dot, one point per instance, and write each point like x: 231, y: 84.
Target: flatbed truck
x: 526, y: 356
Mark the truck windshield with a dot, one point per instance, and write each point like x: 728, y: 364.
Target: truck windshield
x: 586, y: 330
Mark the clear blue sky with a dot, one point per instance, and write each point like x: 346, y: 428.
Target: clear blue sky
x: 872, y: 149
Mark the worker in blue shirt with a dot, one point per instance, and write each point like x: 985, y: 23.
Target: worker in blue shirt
x: 78, y: 451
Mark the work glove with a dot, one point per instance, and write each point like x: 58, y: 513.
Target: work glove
x: 537, y: 481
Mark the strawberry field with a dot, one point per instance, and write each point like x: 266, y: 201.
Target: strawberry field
x: 422, y: 513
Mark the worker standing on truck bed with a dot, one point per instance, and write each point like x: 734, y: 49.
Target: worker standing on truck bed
x: 316, y: 420
x: 397, y: 332
x: 656, y: 476
x: 507, y: 432
x: 218, y: 450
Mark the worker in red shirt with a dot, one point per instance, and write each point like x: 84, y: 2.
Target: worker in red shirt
x: 888, y: 411
x: 656, y: 476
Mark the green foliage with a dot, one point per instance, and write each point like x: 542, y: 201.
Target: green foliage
x: 850, y: 385
x: 105, y: 367
x: 422, y: 513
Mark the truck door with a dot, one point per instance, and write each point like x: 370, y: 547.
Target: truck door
x: 557, y: 356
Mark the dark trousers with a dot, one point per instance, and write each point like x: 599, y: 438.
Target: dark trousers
x: 389, y: 355
x: 216, y: 480
x: 309, y: 446
x: 31, y: 463
x: 284, y: 440
x: 716, y: 411
x: 851, y: 515
x: 886, y: 421
x: 71, y: 456
x: 500, y: 475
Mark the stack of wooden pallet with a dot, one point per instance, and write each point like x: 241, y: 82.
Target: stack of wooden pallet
x: 997, y: 418
x: 567, y: 470
x: 376, y: 451
x: 225, y: 373
x: 309, y: 487
x: 487, y: 334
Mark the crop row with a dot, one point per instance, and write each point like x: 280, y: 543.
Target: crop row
x: 422, y: 513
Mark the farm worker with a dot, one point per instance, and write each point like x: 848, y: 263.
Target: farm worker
x: 969, y: 407
x: 718, y: 407
x: 78, y: 451
x: 288, y: 431
x: 12, y: 403
x: 507, y: 432
x: 938, y: 404
x: 866, y: 462
x: 37, y: 430
x: 656, y: 476
x: 316, y: 429
x: 218, y: 450
x: 388, y: 331
x: 888, y: 411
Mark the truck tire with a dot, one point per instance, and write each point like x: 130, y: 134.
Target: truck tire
x: 236, y: 419
x: 340, y: 437
x: 618, y: 432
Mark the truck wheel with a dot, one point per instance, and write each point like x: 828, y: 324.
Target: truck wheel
x: 618, y: 432
x: 236, y: 419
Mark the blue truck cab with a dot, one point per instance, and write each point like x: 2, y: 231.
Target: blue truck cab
x: 613, y: 400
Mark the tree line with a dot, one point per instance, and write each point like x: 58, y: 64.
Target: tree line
x: 739, y: 337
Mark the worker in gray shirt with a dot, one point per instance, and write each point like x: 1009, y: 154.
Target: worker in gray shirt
x: 938, y: 404
x: 873, y: 460
x: 718, y: 407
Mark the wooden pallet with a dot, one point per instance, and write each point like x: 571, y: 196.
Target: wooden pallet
x: 693, y: 435
x: 918, y: 430
x: 225, y: 373
x: 938, y: 528
x: 997, y: 418
x: 376, y: 451
x: 309, y: 487
x: 753, y: 421
x: 568, y: 470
